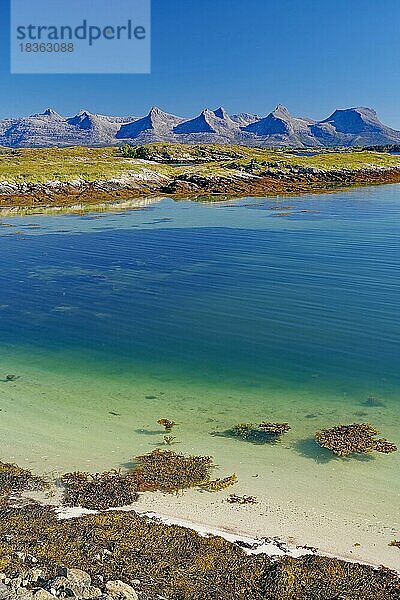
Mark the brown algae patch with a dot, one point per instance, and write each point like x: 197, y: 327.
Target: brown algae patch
x: 173, y: 562
x: 98, y: 491
x: 14, y: 480
x: 264, y: 433
x: 160, y: 470
x: 217, y: 485
x: 356, y: 438
x: 169, y: 471
x: 167, y: 424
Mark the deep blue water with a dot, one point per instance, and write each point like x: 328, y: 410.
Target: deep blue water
x: 227, y: 290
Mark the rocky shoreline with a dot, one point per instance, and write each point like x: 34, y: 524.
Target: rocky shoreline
x: 32, y: 584
x: 52, y: 547
x: 119, y: 555
x: 235, y: 182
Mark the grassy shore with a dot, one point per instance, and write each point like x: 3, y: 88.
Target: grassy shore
x: 62, y: 176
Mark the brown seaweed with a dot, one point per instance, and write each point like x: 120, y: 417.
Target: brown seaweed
x: 15, y: 479
x: 169, y: 439
x: 98, y: 491
x: 169, y: 471
x: 343, y: 440
x: 264, y: 433
x: 217, y: 485
x: 167, y: 423
x: 234, y: 499
x: 274, y: 429
x: 174, y: 562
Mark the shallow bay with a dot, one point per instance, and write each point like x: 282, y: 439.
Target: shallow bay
x: 214, y: 314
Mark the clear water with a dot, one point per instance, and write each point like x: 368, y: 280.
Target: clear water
x: 211, y: 314
x: 216, y: 290
x: 305, y: 153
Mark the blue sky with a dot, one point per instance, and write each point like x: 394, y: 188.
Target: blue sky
x: 311, y: 55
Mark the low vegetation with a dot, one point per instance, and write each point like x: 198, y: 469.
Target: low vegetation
x: 38, y: 165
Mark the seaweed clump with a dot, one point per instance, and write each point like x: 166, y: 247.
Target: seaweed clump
x: 234, y: 499
x: 319, y: 578
x: 263, y: 433
x: 217, y: 485
x: 167, y: 423
x: 358, y: 438
x: 98, y: 491
x: 169, y: 471
x: 243, y: 429
x: 169, y: 439
x: 11, y: 377
x: 16, y: 479
x: 274, y: 429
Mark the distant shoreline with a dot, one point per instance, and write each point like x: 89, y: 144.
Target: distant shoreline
x: 67, y: 178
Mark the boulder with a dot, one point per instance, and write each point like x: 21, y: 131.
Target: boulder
x: 35, y: 575
x: 119, y: 589
x: 43, y: 594
x: 73, y: 582
x: 17, y: 594
x: 76, y: 577
x: 91, y: 593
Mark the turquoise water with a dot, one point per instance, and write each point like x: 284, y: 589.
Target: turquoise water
x: 211, y: 314
x: 218, y: 291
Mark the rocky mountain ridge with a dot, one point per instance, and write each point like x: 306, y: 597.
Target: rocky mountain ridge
x: 357, y: 126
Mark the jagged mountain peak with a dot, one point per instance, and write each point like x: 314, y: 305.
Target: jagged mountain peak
x: 363, y: 111
x: 356, y: 126
x: 49, y: 112
x: 157, y: 113
x: 83, y: 119
x: 85, y: 113
x: 157, y: 125
x: 215, y: 122
x: 244, y: 118
x: 221, y: 113
x: 200, y: 124
x: 277, y: 122
x: 354, y: 120
x: 282, y: 112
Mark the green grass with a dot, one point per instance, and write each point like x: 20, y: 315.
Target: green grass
x: 91, y: 164
x: 64, y: 164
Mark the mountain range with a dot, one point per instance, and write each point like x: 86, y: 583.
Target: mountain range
x: 347, y: 127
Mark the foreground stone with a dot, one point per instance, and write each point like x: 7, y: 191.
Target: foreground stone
x: 119, y: 589
x: 70, y: 583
